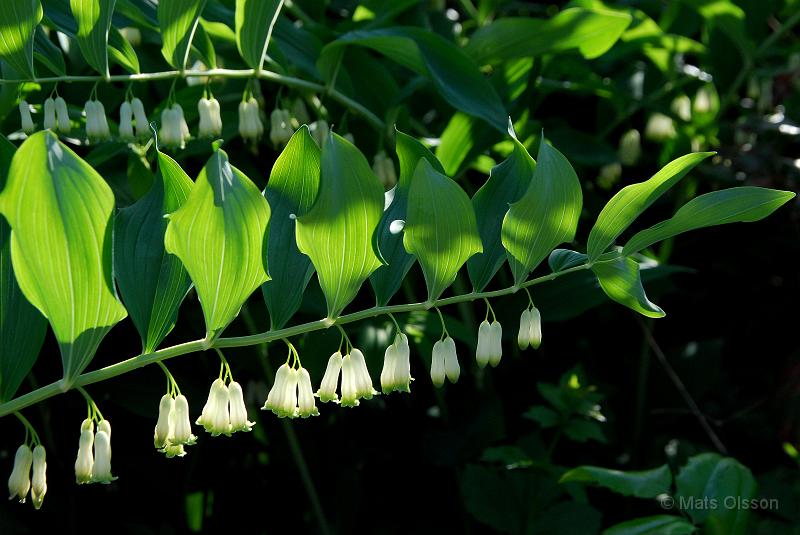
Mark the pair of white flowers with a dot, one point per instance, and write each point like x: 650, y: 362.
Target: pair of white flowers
x: 444, y: 362
x: 174, y: 429
x: 291, y: 394
x: 20, y: 481
x: 396, y: 374
x: 56, y: 116
x: 356, y: 383
x: 490, y: 343
x: 225, y: 412
x: 530, y: 328
x: 132, y: 115
x: 96, y: 121
x: 174, y: 131
x: 93, y: 464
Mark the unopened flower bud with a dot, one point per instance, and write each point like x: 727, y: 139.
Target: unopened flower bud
x: 438, y: 364
x: 162, y: 430
x: 62, y: 116
x: 125, y: 121
x: 142, y: 124
x: 682, y: 107
x: 20, y: 481
x: 659, y: 128
x: 101, y: 469
x: 210, y: 124
x: 630, y: 147
x: 495, y: 343
x: 50, y: 114
x: 85, y: 459
x: 451, y: 366
x: 26, y: 120
x: 609, y: 175
x: 250, y: 126
x: 482, y: 351
x: 39, y: 484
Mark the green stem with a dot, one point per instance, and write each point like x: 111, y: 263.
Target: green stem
x: 289, y: 81
x: 134, y: 363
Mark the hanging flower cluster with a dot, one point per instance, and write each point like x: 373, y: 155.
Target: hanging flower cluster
x: 19, y: 483
x: 174, y: 130
x: 93, y: 464
x: 444, y: 362
x: 174, y: 429
x: 131, y: 114
x: 250, y: 127
x: 530, y: 328
x: 292, y: 395
x: 225, y: 412
x: 490, y: 343
x: 96, y: 121
x: 396, y: 374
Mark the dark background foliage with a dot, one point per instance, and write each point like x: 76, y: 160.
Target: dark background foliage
x: 464, y: 458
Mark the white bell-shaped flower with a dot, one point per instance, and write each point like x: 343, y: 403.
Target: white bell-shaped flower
x: 364, y: 388
x: 170, y: 133
x: 437, y: 363
x: 238, y: 409
x: 630, y: 147
x: 142, y: 124
x: 20, y: 481
x: 180, y: 424
x: 383, y: 166
x: 101, y: 469
x: 306, y: 405
x: 96, y: 121
x: 682, y: 107
x: 26, y: 121
x: 182, y: 126
x: 280, y: 127
x: 126, y: 121
x: 396, y: 373
x: 250, y: 127
x: 85, y: 459
x: 523, y: 338
x: 327, y: 389
x: 210, y: 124
x: 659, y: 128
x: 349, y: 383
x: 162, y: 431
x: 215, y: 417
x: 62, y: 116
x: 319, y: 131
x: 451, y: 366
x: 705, y: 100
x: 495, y: 343
x: 482, y: 353
x: 39, y: 483
x: 282, y: 398
x: 50, y: 114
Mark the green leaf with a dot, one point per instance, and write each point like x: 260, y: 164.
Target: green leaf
x: 255, y: 20
x: 561, y: 259
x: 445, y: 65
x: 219, y: 234
x: 48, y: 54
x: 152, y: 283
x: 94, y: 22
x: 734, y: 205
x: 545, y: 216
x: 620, y: 280
x: 18, y: 21
x: 121, y: 52
x: 338, y: 233
x: 581, y: 430
x: 506, y: 185
x: 653, y: 525
x: 592, y: 32
x: 292, y: 189
x: 642, y: 484
x: 441, y: 239
x: 61, y: 215
x: 178, y: 21
x: 711, y: 478
x: 22, y: 328
x: 631, y: 201
x: 203, y: 47
x: 544, y: 416
x: 387, y: 279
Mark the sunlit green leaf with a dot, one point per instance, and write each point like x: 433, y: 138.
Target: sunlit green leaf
x: 219, y: 234
x: 592, y: 32
x: 450, y: 71
x: 441, y: 239
x: 254, y: 22
x: 711, y: 478
x: 653, y: 525
x: 546, y: 215
x: 507, y: 183
x: 18, y: 21
x: 22, y: 328
x: 94, y: 21
x: 61, y: 216
x: 620, y: 280
x: 387, y: 279
x: 643, y: 484
x: 152, y: 283
x: 178, y: 20
x: 291, y: 191
x: 561, y: 259
x: 734, y: 205
x: 339, y: 232
x: 631, y: 201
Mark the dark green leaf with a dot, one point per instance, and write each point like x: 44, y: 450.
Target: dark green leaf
x: 734, y: 205
x: 561, y: 259
x: 544, y: 416
x: 121, y: 52
x: 620, y: 280
x: 94, y: 22
x: 61, y: 215
x: 48, y: 54
x: 642, y: 484
x: 178, y: 20
x: 506, y: 185
x: 387, y: 279
x: 152, y: 283
x: 653, y: 525
x: 442, y: 240
x: 18, y: 20
x: 291, y: 191
x: 254, y: 22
